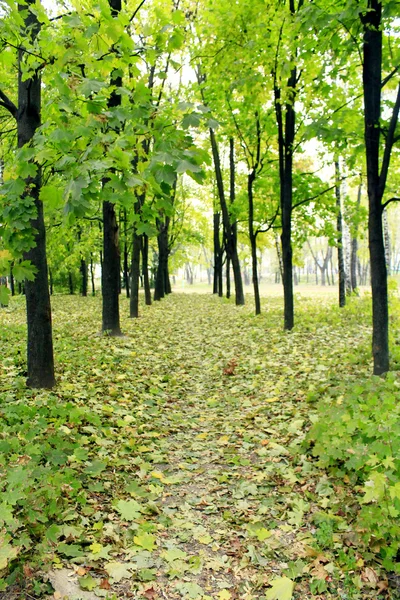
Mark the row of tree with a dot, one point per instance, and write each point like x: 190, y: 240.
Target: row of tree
x: 106, y: 107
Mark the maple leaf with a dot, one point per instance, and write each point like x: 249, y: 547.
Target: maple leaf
x: 281, y: 589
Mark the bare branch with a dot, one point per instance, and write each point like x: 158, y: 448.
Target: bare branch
x: 389, y: 77
x: 313, y: 197
x: 8, y: 104
x: 136, y: 11
x: 389, y: 143
x: 389, y: 201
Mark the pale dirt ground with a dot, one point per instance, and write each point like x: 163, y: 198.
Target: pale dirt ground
x: 268, y: 290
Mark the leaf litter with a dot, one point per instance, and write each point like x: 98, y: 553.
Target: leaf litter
x: 176, y: 454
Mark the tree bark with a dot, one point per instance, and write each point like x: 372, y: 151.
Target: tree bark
x: 92, y: 275
x: 354, y: 247
x: 217, y: 253
x: 231, y: 247
x: 111, y: 254
x: 135, y: 273
x: 376, y: 178
x: 339, y: 226
x: 40, y: 341
x: 145, y: 269
x: 253, y: 242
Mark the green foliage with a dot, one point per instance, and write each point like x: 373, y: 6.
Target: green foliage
x: 357, y: 436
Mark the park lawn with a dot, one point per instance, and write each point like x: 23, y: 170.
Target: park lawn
x: 175, y: 462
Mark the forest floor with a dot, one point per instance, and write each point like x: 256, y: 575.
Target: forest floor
x: 172, y: 463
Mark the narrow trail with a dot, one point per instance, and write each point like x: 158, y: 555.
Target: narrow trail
x: 190, y: 431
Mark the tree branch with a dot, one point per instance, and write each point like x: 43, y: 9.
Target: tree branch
x: 136, y: 11
x: 389, y: 144
x: 313, y: 197
x: 8, y: 104
x: 394, y: 199
x: 389, y: 77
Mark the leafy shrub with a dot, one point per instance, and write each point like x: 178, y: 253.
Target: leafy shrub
x: 357, y: 436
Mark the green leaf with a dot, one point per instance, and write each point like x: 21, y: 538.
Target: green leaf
x: 24, y: 270
x: 129, y: 509
x: 118, y: 570
x: 281, y: 589
x: 145, y: 540
x: 88, y: 582
x: 95, y: 468
x: 184, y: 166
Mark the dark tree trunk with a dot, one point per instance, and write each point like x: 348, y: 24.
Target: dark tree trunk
x: 40, y: 342
x: 217, y: 253
x: 84, y: 277
x: 145, y: 269
x: 339, y: 225
x: 376, y: 178
x: 286, y: 134
x: 135, y: 273
x: 231, y: 246
x: 253, y: 242
x: 92, y: 275
x: 162, y: 270
x: 111, y: 280
x: 232, y: 242
x: 12, y: 283
x: 126, y: 256
x: 228, y: 277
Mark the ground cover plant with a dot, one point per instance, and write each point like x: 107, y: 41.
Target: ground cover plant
x: 206, y: 454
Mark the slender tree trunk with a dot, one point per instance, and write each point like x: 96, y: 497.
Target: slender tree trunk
x: 228, y: 277
x: 71, y: 283
x: 232, y: 242
x: 231, y: 248
x: 217, y: 253
x: 354, y: 246
x: 162, y: 270
x: 12, y: 283
x: 84, y: 277
x: 111, y: 280
x: 126, y: 256
x: 372, y: 77
x: 253, y: 242
x: 145, y: 269
x: 135, y: 272
x: 386, y: 240
x: 92, y: 275
x: 339, y: 226
x: 40, y: 342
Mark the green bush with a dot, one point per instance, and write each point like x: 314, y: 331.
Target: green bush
x: 357, y: 435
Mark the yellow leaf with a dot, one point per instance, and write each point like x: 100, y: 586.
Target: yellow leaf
x: 96, y: 548
x: 223, y: 439
x: 274, y: 399
x: 224, y: 595
x: 202, y: 436
x: 281, y: 589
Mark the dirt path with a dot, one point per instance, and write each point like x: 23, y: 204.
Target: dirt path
x: 191, y: 429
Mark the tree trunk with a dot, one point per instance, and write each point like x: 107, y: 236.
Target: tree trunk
x: 354, y: 246
x: 71, y: 283
x: 253, y: 242
x: 135, y: 273
x: 84, y: 277
x: 40, y: 342
x: 228, y: 277
x: 372, y: 77
x: 111, y: 271
x: 92, y: 275
x: 286, y: 135
x: 386, y: 239
x: 231, y: 247
x: 339, y: 226
x: 162, y: 270
x: 217, y: 253
x: 232, y: 242
x: 145, y: 269
x: 12, y: 283
x: 111, y: 280
x: 126, y: 256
